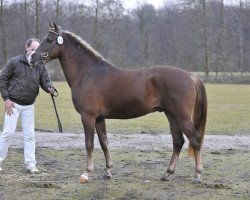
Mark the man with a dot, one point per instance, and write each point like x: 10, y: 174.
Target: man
x: 19, y: 87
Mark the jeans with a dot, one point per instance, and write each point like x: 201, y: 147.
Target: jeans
x: 10, y: 122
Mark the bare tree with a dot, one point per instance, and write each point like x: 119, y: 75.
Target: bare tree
x: 220, y: 47
x: 37, y: 14
x: 26, y: 18
x: 146, y: 16
x: 97, y: 9
x: 59, y: 11
x: 205, y: 37
x: 38, y: 10
x: 241, y: 38
x: 198, y: 35
x: 102, y: 10
x: 58, y: 74
x: 3, y: 33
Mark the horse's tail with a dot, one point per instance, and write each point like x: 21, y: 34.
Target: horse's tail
x: 199, y: 117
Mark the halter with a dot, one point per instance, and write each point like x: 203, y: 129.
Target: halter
x: 59, y: 38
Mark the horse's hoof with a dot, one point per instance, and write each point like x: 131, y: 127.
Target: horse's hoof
x: 196, y: 181
x: 84, y: 179
x: 165, y: 178
x: 107, y: 175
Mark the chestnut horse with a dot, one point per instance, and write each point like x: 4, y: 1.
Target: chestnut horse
x: 101, y: 91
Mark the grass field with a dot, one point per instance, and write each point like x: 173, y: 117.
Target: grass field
x: 228, y: 112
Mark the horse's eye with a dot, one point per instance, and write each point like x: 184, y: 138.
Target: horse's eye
x: 49, y: 39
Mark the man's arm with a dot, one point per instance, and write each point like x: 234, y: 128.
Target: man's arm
x: 45, y: 81
x: 5, y: 76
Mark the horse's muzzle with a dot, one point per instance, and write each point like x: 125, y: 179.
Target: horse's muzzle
x: 44, y: 56
x: 37, y: 57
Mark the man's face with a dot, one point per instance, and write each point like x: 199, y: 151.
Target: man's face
x: 31, y: 48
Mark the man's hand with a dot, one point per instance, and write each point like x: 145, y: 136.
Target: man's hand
x: 52, y: 91
x: 9, y: 105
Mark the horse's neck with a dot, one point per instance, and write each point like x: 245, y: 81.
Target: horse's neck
x: 70, y: 69
x: 75, y: 64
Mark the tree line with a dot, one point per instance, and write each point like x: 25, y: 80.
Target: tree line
x: 196, y: 35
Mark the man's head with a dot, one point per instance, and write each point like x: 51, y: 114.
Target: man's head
x: 31, y: 45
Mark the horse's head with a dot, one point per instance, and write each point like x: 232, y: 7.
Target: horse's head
x: 50, y: 47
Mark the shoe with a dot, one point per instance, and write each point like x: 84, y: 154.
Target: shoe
x: 33, y: 170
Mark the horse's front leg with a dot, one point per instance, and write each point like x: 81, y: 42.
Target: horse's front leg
x: 102, y: 134
x: 89, y: 129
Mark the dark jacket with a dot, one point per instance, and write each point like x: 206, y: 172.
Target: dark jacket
x: 20, y: 83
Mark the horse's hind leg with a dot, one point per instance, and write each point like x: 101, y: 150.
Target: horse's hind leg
x: 102, y: 134
x: 195, y: 142
x: 178, y: 141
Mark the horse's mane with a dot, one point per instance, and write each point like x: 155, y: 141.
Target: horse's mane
x: 85, y: 45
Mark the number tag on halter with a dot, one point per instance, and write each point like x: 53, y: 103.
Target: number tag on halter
x: 59, y: 40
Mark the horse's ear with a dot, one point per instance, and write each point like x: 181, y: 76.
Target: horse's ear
x: 50, y: 25
x: 57, y: 29
x: 55, y: 26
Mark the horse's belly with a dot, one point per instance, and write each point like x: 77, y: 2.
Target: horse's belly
x: 130, y: 111
x: 125, y: 115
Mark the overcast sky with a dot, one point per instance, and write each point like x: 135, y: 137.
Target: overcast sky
x: 134, y: 3
x: 130, y: 4
x: 159, y: 3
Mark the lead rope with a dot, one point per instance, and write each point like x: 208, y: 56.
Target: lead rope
x: 57, y: 116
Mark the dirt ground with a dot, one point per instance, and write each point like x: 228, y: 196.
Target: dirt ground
x: 139, y: 141
x: 139, y: 162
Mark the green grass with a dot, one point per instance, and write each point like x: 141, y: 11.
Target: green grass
x: 228, y: 108
x: 228, y: 112
x: 222, y: 74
